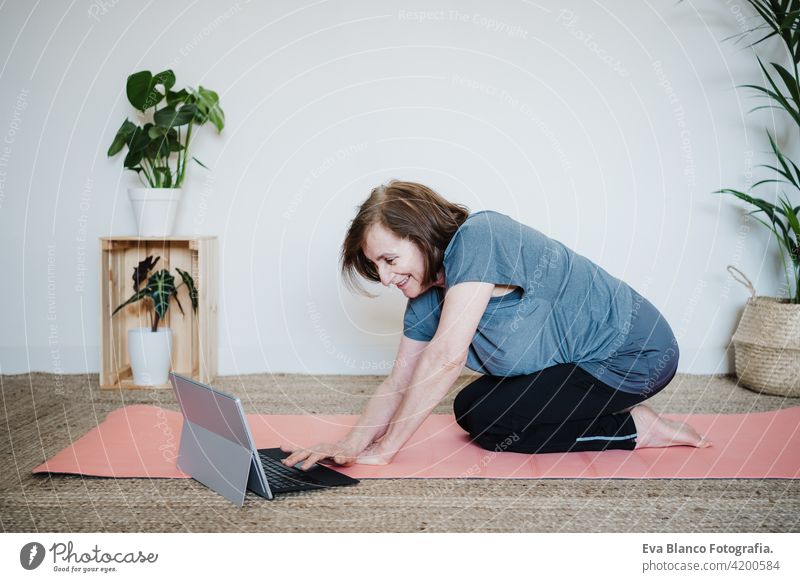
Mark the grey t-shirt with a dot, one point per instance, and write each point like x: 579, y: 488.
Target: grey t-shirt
x: 566, y: 309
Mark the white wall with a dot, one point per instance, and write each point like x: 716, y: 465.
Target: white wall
x: 606, y: 125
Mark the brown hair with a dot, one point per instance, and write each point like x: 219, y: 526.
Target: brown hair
x: 411, y: 211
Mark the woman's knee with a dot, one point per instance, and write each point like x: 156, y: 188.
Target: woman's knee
x: 466, y: 405
x: 462, y: 407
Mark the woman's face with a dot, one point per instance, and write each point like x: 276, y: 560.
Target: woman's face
x: 398, y: 261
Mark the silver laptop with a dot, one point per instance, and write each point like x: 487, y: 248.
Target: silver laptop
x: 217, y: 449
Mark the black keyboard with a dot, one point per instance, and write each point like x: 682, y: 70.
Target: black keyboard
x: 282, y: 477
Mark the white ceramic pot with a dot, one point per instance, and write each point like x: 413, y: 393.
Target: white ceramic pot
x: 154, y: 209
x: 151, y: 354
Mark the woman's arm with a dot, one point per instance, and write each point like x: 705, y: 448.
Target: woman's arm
x: 376, y: 416
x: 438, y: 368
x: 383, y: 405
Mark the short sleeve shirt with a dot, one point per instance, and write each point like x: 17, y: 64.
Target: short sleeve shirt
x: 564, y: 309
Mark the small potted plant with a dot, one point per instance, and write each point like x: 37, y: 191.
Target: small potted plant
x: 150, y: 348
x: 158, y: 150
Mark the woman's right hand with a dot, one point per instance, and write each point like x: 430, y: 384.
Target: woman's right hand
x: 342, y: 453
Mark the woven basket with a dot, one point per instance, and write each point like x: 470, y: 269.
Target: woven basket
x: 767, y: 343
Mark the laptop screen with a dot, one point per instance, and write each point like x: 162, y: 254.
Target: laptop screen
x: 213, y: 410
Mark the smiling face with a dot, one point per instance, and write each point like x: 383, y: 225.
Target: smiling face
x: 398, y: 261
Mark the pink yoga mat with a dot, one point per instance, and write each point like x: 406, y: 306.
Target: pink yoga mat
x: 143, y: 441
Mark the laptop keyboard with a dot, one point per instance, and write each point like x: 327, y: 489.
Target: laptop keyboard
x: 279, y: 475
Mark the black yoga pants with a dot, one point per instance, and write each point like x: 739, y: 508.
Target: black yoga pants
x: 558, y: 409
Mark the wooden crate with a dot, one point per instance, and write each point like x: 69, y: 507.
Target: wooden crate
x: 194, y: 336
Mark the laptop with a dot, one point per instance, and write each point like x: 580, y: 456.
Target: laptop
x: 217, y: 449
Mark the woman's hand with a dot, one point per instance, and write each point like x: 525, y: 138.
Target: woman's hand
x: 342, y: 453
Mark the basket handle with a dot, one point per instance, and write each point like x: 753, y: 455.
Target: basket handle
x: 743, y: 279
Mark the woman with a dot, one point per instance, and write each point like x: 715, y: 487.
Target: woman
x: 568, y: 352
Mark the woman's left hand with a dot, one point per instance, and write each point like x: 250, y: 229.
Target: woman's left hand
x: 374, y: 454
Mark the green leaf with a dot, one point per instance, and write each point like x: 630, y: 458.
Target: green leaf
x: 178, y: 301
x: 785, y: 170
x: 137, y: 146
x: 177, y: 97
x: 166, y: 79
x: 140, y: 139
x: 170, y: 117
x: 163, y: 142
x: 157, y: 152
x: 160, y: 287
x: 790, y: 82
x: 133, y: 159
x: 761, y: 206
x: 776, y: 94
x: 781, y: 17
x: 140, y: 272
x: 137, y: 88
x: 133, y: 299
x: 781, y: 239
x: 134, y: 156
x: 791, y: 217
x: 208, y: 108
x: 174, y: 143
x: 201, y: 163
x: 157, y: 149
x: 141, y: 88
x: 124, y: 134
x: 767, y: 181
x: 157, y: 132
x: 189, y: 282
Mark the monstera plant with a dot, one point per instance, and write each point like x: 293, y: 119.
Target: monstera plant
x: 158, y: 145
x: 151, y: 146
x: 150, y: 349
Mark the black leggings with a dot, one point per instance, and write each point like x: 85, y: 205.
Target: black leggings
x: 558, y: 409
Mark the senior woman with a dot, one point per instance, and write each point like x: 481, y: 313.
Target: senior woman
x: 568, y: 353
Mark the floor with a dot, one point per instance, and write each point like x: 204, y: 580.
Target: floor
x: 43, y: 413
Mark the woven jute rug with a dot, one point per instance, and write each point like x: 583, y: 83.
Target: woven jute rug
x: 43, y: 413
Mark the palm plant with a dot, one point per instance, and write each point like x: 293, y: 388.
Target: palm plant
x: 781, y: 19
x: 159, y: 289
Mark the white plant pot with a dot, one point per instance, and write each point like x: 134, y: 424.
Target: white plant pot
x: 155, y: 209
x: 150, y: 354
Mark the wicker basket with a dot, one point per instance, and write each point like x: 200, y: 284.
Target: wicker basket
x: 767, y: 343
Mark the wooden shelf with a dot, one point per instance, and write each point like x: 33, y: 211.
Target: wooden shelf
x: 194, y: 336
x: 150, y: 239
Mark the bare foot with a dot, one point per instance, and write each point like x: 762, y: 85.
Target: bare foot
x: 653, y: 431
